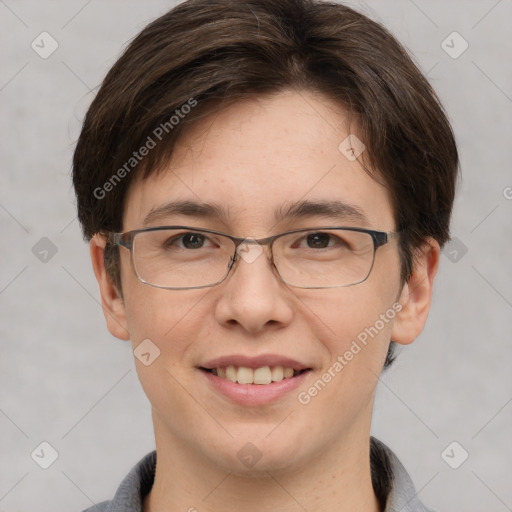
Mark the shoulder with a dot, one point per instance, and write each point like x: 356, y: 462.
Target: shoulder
x: 393, y: 481
x: 99, y: 507
x: 132, y: 490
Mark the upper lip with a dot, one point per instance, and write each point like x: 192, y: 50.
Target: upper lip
x: 254, y: 362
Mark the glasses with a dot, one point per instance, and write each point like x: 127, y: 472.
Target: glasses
x: 182, y: 257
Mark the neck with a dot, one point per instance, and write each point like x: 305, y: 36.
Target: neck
x: 338, y: 480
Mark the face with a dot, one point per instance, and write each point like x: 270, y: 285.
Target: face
x: 254, y: 161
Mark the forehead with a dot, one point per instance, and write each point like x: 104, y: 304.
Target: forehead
x: 258, y: 158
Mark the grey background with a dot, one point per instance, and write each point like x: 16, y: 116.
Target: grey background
x: 66, y: 381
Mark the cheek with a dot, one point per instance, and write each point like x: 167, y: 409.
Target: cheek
x: 353, y: 330
x: 164, y: 324
x: 156, y: 319
x: 354, y: 327
x: 344, y: 313
x: 348, y: 319
x: 154, y: 313
x: 167, y: 317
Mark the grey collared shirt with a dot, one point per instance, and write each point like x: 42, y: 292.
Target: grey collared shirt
x: 401, y: 497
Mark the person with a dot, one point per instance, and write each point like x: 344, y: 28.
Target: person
x: 265, y: 187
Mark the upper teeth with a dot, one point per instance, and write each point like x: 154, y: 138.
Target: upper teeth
x: 263, y: 375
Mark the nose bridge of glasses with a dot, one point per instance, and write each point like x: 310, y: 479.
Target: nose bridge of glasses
x: 250, y: 249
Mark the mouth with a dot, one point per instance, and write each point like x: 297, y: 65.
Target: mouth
x: 262, y: 375
x: 254, y: 381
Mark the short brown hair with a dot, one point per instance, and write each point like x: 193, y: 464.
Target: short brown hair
x: 216, y: 52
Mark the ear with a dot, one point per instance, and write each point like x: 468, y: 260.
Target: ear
x: 111, y: 299
x: 416, y: 294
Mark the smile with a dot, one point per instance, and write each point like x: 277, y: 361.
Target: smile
x: 254, y: 381
x: 262, y: 375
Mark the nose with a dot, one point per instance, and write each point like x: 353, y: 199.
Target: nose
x: 252, y: 297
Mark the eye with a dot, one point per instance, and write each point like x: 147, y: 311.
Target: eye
x: 319, y: 240
x: 189, y: 241
x: 193, y: 240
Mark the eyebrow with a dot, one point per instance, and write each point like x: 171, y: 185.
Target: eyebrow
x: 187, y: 209
x: 335, y: 209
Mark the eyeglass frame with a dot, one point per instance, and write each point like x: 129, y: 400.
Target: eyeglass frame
x: 379, y: 239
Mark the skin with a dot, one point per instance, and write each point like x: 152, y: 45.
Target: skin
x: 251, y: 158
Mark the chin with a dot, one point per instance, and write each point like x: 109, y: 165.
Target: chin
x: 256, y: 454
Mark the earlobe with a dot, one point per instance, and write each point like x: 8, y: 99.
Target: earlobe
x: 416, y: 295
x: 111, y: 299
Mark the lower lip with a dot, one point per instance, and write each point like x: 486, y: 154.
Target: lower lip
x: 254, y: 394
